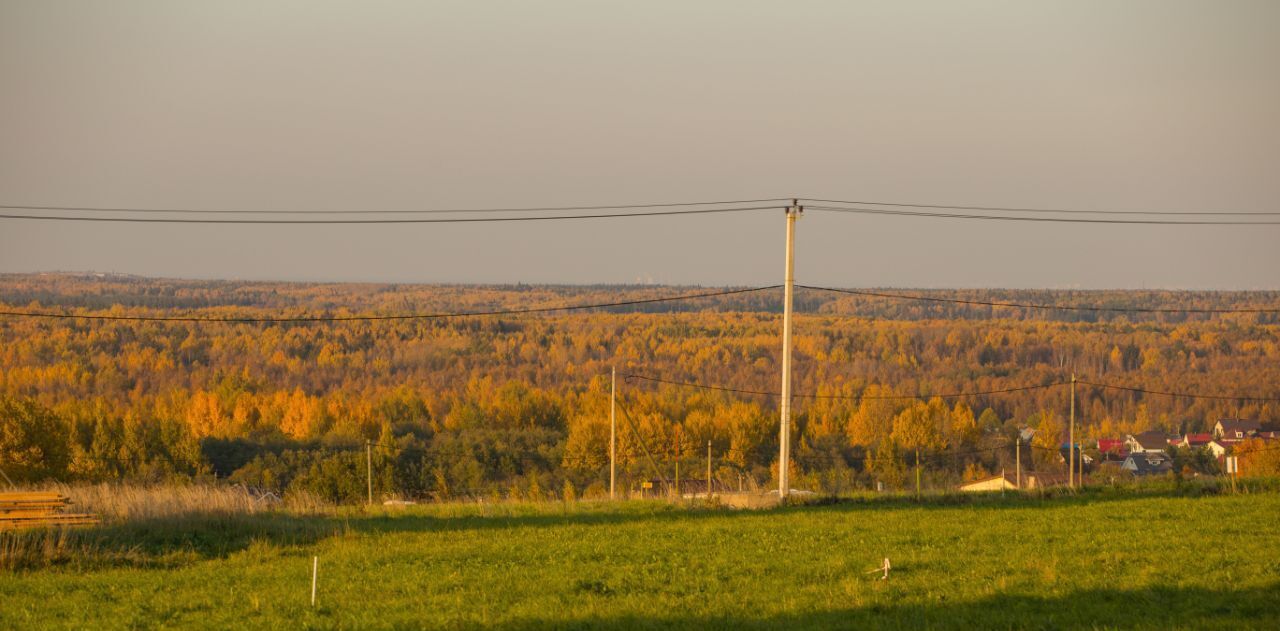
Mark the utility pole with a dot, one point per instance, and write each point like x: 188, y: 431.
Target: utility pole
x: 613, y: 430
x: 1019, y: 462
x: 1071, y: 438
x: 917, y: 473
x: 708, y: 471
x: 368, y: 460
x: 677, y: 462
x: 1081, y: 467
x: 784, y: 405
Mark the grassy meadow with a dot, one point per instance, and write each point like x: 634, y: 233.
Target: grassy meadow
x: 1103, y: 559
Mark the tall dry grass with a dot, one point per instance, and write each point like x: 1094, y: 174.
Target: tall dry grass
x: 121, y: 502
x: 160, y: 524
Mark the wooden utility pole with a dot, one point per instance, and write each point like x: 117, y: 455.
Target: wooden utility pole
x: 613, y: 431
x: 784, y: 403
x: 708, y: 470
x: 677, y: 462
x: 1018, y: 458
x: 917, y: 473
x: 368, y: 460
x: 1071, y: 438
x: 1081, y: 470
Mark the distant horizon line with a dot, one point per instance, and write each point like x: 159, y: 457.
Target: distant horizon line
x: 131, y: 275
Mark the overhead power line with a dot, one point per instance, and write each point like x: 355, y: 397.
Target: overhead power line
x: 1154, y: 222
x: 411, y: 316
x: 518, y: 209
x: 1188, y: 395
x: 923, y: 395
x: 662, y: 213
x: 952, y: 395
x: 1050, y: 307
x: 1017, y: 209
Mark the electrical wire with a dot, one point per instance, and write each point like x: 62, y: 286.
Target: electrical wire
x: 859, y: 292
x: 1178, y: 394
x: 1016, y: 209
x: 628, y: 378
x: 414, y: 316
x: 696, y: 211
x: 923, y: 396
x: 97, y: 209
x: 1155, y: 222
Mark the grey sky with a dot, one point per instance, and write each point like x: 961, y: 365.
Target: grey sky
x: 1156, y: 105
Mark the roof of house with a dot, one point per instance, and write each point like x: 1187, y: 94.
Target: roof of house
x: 1239, y: 425
x: 1152, y: 440
x: 1149, y: 463
x: 1198, y: 439
x: 1009, y: 478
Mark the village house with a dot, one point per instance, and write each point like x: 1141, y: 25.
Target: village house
x: 1195, y: 441
x: 1220, y: 446
x: 1235, y: 428
x: 1147, y: 442
x: 1112, y: 449
x: 1147, y: 463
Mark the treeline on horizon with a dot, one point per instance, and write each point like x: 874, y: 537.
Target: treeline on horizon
x: 519, y: 405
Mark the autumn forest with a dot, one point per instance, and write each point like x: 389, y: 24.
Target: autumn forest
x: 518, y: 404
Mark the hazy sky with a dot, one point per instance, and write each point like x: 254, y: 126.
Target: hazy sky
x: 1153, y: 105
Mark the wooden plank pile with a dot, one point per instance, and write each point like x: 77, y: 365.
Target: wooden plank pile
x: 39, y: 508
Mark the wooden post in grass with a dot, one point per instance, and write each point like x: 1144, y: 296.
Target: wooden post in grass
x: 315, y: 572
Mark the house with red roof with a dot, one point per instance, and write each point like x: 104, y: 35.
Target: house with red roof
x: 1112, y: 449
x: 1196, y: 441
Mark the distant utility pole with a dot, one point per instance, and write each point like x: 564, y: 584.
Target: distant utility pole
x: 784, y: 405
x: 677, y: 427
x: 1018, y: 458
x: 708, y: 470
x: 917, y: 473
x: 613, y: 431
x: 368, y: 459
x: 1071, y: 438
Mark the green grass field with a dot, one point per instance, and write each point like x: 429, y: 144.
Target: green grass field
x: 1103, y: 560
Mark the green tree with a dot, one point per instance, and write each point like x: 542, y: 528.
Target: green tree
x: 34, y: 442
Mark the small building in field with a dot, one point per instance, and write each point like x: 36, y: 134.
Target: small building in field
x: 1009, y: 482
x: 1006, y: 482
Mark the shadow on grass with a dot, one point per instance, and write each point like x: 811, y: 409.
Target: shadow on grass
x: 1156, y: 607
x: 180, y: 539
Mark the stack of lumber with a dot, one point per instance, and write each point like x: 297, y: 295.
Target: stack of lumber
x: 39, y: 508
